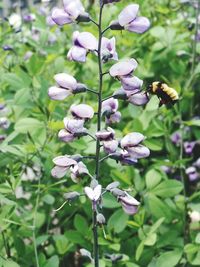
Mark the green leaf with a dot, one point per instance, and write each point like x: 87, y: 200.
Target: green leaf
x: 158, y: 208
x: 61, y: 243
x: 80, y: 224
x: 168, y: 188
x: 118, y: 221
x: 52, y: 262
x: 169, y: 259
x: 8, y: 263
x: 152, y: 178
x: 150, y: 239
x: 139, y: 251
x: 197, y: 239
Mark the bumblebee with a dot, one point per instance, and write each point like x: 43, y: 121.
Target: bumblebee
x: 166, y: 94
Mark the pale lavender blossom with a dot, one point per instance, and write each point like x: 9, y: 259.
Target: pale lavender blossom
x: 82, y: 111
x: 106, y: 134
x: 108, y: 49
x: 131, y: 83
x: 4, y: 123
x: 62, y: 165
x: 123, y: 68
x: 113, y: 118
x: 188, y: 147
x: 29, y: 17
x: 129, y: 204
x: 73, y: 10
x: 132, y: 147
x: 73, y: 128
x: 110, y: 146
x: 176, y: 138
x: 192, y: 173
x: 82, y: 43
x: 93, y: 194
x: 139, y: 98
x: 78, y: 171
x: 66, y: 85
x: 128, y: 19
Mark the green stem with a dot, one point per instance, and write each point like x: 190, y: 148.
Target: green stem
x: 98, y: 146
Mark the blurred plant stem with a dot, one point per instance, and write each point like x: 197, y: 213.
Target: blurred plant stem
x: 34, y: 224
x: 195, y: 37
x: 6, y: 244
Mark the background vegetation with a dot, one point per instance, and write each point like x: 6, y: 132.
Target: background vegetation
x: 162, y: 233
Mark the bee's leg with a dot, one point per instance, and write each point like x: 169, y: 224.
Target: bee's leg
x: 160, y: 103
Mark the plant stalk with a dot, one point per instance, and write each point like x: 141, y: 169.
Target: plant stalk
x: 98, y: 146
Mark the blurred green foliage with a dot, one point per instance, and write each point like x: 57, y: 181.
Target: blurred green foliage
x: 155, y: 236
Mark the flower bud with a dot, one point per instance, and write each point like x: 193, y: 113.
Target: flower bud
x: 101, y: 219
x: 71, y: 195
x: 116, y: 26
x: 112, y: 185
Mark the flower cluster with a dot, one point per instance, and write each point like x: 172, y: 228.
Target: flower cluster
x: 127, y: 150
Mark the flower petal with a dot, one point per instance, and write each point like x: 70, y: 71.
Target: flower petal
x: 73, y: 125
x: 139, y: 25
x: 123, y: 68
x: 58, y: 172
x: 77, y: 53
x: 64, y: 161
x: 132, y: 139
x: 82, y: 111
x: 138, y: 151
x: 89, y: 192
x: 129, y: 209
x: 139, y: 99
x: 65, y: 136
x: 87, y: 41
x: 66, y: 81
x: 110, y: 146
x: 131, y: 83
x: 97, y: 192
x: 56, y: 93
x: 60, y: 17
x: 128, y: 14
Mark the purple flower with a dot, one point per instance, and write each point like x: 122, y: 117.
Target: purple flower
x: 131, y: 140
x: 4, y: 123
x: 105, y: 135
x: 67, y: 84
x: 113, y: 118
x: 110, y: 146
x: 82, y: 111
x: 63, y: 163
x: 49, y: 21
x: 176, y: 138
x: 73, y: 128
x: 93, y: 194
x: 7, y: 48
x: 73, y: 9
x: 129, y: 204
x: 110, y: 105
x: 131, y: 83
x: 123, y: 68
x: 192, y: 173
x: 189, y: 146
x: 130, y: 21
x: 108, y: 49
x: 78, y: 171
x: 138, y: 98
x: 29, y: 17
x: 82, y: 43
x: 133, y: 149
